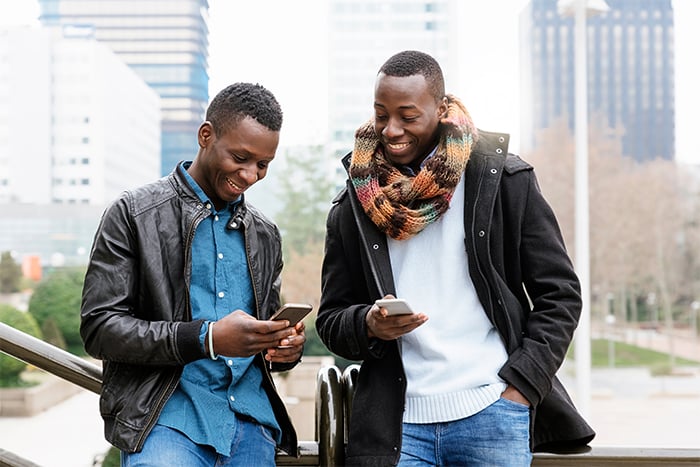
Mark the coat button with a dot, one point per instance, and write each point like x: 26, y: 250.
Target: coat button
x: 499, y: 151
x: 481, y: 233
x: 494, y: 171
x: 501, y: 139
x: 375, y: 246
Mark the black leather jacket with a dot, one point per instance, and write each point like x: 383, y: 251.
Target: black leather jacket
x: 136, y: 314
x: 513, y: 245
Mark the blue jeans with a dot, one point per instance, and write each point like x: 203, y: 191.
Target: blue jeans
x: 497, y: 436
x: 252, y: 446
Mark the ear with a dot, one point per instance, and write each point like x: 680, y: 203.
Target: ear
x: 205, y: 134
x: 442, y: 108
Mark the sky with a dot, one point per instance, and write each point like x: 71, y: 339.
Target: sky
x: 282, y: 45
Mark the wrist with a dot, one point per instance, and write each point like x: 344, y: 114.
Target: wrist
x: 210, y: 341
x: 370, y: 334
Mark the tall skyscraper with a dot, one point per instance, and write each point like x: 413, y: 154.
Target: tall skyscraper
x: 77, y: 127
x: 630, y: 73
x: 166, y: 44
x: 363, y: 34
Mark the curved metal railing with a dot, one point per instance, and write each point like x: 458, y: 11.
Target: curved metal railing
x: 334, y: 394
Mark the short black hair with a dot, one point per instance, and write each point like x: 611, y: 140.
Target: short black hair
x: 240, y: 100
x: 413, y: 62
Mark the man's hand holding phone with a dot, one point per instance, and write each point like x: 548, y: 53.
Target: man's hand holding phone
x: 390, y: 318
x: 291, y: 347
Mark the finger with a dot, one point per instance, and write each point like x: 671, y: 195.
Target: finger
x: 270, y: 326
x: 376, y: 312
x: 293, y: 341
x: 283, y: 355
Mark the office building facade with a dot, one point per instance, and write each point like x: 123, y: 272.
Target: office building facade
x: 363, y: 34
x: 77, y: 127
x: 166, y: 44
x: 630, y: 73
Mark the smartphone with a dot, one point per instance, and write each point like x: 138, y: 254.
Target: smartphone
x: 292, y: 312
x: 395, y: 306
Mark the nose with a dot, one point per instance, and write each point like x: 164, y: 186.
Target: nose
x: 249, y: 176
x: 392, y: 129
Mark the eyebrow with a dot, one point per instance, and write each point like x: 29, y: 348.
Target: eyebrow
x: 403, y: 107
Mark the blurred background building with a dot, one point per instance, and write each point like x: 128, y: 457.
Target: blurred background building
x: 76, y: 125
x: 631, y: 90
x: 630, y: 73
x: 166, y: 44
x: 363, y: 34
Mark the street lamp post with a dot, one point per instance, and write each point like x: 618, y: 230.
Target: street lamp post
x: 582, y: 342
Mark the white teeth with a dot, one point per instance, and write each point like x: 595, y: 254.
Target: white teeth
x: 398, y: 146
x: 233, y: 185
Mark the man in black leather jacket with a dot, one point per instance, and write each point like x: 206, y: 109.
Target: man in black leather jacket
x: 438, y: 213
x: 182, y: 279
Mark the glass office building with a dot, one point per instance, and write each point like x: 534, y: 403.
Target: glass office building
x: 363, y: 34
x: 630, y: 73
x: 166, y: 43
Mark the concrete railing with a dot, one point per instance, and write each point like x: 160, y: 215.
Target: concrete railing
x: 334, y: 392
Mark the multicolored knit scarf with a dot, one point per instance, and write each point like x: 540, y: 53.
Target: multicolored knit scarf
x: 401, y: 205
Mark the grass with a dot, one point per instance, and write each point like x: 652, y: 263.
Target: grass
x: 627, y: 355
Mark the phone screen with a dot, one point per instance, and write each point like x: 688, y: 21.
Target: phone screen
x: 293, y: 312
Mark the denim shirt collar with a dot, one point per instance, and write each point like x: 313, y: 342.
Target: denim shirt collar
x: 199, y: 192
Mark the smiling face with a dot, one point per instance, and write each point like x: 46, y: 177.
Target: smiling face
x: 407, y: 118
x: 227, y: 166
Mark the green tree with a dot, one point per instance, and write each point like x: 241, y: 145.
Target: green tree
x: 10, y: 273
x: 52, y: 334
x: 306, y: 190
x: 111, y: 458
x: 58, y: 297
x: 10, y: 367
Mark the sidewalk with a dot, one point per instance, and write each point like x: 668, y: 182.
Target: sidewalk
x: 69, y: 434
x: 630, y: 407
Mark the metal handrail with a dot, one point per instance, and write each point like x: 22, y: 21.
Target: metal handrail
x: 334, y: 393
x: 330, y: 425
x: 48, y: 357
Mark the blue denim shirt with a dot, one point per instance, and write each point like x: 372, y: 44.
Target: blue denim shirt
x: 211, y: 392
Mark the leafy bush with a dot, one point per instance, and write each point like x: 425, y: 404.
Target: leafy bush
x: 52, y: 334
x: 57, y: 298
x: 10, y: 367
x: 10, y: 273
x: 112, y: 458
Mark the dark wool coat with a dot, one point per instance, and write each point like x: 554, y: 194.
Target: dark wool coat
x: 524, y: 279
